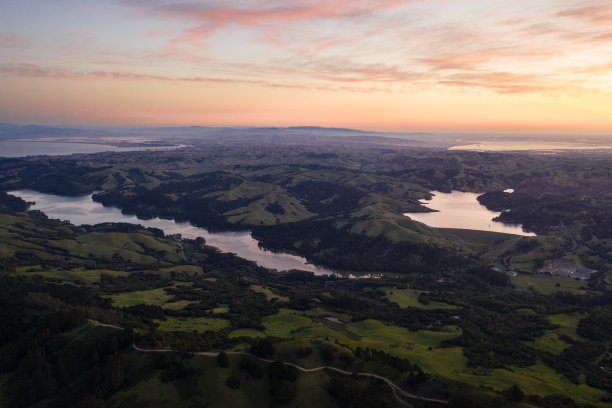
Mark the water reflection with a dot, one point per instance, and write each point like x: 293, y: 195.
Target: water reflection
x: 463, y: 211
x: 83, y: 210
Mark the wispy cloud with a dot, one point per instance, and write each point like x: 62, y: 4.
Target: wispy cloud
x: 424, y: 51
x: 259, y: 12
x: 597, y: 14
x: 504, y: 82
x: 472, y: 59
x: 599, y: 69
x: 399, y: 47
x: 206, y: 18
x: 59, y: 72
x: 345, y: 70
x: 14, y: 41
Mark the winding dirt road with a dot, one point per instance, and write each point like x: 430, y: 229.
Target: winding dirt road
x: 397, y: 391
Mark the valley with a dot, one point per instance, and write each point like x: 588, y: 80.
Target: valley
x: 439, y: 316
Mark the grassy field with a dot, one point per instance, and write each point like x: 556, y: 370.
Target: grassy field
x: 551, y: 341
x: 545, y: 284
x: 422, y: 347
x: 245, y: 333
x: 286, y: 322
x: 538, y: 379
x: 291, y: 324
x: 417, y: 346
x: 450, y: 362
x: 297, y: 325
x: 409, y: 298
x: 390, y: 337
x: 200, y: 324
x: 147, y: 297
x: 268, y: 293
x: 568, y: 323
x: 178, y: 305
x: 130, y: 246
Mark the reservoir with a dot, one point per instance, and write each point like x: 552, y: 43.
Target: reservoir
x: 83, y: 210
x: 463, y: 211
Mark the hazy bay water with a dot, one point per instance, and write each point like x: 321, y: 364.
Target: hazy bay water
x: 541, y: 145
x: 463, y: 211
x: 83, y: 210
x: 35, y: 148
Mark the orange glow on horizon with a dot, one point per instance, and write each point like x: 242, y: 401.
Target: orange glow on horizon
x: 342, y: 63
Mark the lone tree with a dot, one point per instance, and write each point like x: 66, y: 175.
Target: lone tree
x: 514, y: 394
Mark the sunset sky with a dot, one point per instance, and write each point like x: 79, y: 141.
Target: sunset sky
x: 428, y: 65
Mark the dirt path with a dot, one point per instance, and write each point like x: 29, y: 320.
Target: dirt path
x: 97, y: 323
x: 182, y: 251
x: 574, y: 244
x: 397, y: 391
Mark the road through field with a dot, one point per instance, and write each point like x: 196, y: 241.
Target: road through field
x: 397, y: 391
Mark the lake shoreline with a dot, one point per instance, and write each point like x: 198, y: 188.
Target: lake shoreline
x: 461, y: 210
x: 83, y: 210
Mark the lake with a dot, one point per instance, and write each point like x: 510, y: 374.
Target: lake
x: 83, y: 210
x: 463, y: 211
x: 36, y: 148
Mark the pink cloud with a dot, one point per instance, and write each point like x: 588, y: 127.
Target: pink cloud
x: 286, y: 11
x: 601, y: 69
x: 587, y: 37
x: 601, y: 14
x: 470, y: 60
x: 190, y: 45
x: 321, y: 44
x: 209, y: 18
x: 602, y: 37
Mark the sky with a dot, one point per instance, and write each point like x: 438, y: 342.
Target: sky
x: 389, y: 65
